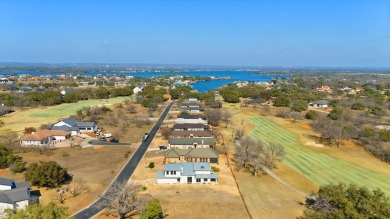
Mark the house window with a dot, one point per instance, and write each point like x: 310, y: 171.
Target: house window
x: 198, y: 180
x: 205, y: 179
x: 174, y: 172
x: 167, y: 173
x: 171, y: 172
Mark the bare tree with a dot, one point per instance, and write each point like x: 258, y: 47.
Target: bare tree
x: 265, y: 109
x: 238, y: 133
x: 125, y: 202
x: 275, y: 152
x: 9, y: 139
x: 166, y: 132
x: 132, y: 109
x: 214, y: 116
x: 226, y: 117
x: 77, y: 187
x: 61, y: 194
x: 295, y: 116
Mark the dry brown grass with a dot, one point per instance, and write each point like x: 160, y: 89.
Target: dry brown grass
x: 96, y: 166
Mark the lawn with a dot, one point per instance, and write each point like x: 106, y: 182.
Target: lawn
x: 37, y: 116
x: 319, y: 165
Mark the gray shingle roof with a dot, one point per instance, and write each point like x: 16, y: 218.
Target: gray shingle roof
x: 190, y: 126
x: 202, y: 152
x: 191, y: 141
x: 65, y: 128
x: 190, y: 116
x: 192, y: 152
x: 6, y: 182
x: 191, y: 133
x: 14, y: 195
x: 321, y: 102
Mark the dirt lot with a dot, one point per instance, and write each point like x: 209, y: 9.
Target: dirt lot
x: 193, y: 201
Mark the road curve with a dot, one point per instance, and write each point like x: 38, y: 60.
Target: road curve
x: 124, y: 175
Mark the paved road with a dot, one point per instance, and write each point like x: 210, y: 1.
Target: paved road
x: 125, y: 174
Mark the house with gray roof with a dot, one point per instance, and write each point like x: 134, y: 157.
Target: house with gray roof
x: 191, y: 155
x: 191, y: 134
x: 320, y: 103
x: 190, y: 127
x: 187, y: 173
x: 75, y: 127
x: 16, y: 195
x: 184, y: 143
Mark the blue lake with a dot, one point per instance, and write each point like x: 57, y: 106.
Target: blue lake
x: 201, y: 86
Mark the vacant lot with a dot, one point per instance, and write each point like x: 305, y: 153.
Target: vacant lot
x: 193, y: 201
x: 35, y: 117
x: 321, y: 166
x: 96, y: 166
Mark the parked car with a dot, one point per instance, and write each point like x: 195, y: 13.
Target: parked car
x: 114, y: 140
x: 102, y: 139
x: 163, y: 147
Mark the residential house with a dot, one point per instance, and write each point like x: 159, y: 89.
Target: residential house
x: 320, y: 103
x: 190, y: 127
x: 74, y: 126
x: 187, y: 173
x: 324, y: 88
x: 185, y: 143
x: 24, y: 89
x: 44, y: 137
x: 191, y: 134
x: 16, y: 195
x: 67, y: 90
x: 5, y: 110
x: 190, y: 119
x: 191, y: 155
x: 138, y: 89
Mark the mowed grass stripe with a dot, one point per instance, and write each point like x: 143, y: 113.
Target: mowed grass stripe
x: 332, y: 170
x: 318, y: 167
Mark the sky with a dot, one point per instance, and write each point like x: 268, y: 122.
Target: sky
x: 326, y: 33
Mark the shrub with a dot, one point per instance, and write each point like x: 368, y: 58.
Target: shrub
x: 151, y: 165
x: 46, y: 174
x: 311, y: 114
x: 7, y: 158
x: 282, y: 101
x: 358, y: 106
x: 18, y: 166
x: 299, y: 106
x: 153, y: 210
x: 215, y: 169
x: 336, y: 113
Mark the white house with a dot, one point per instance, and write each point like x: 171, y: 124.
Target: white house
x: 138, y: 89
x: 190, y: 127
x: 16, y: 195
x: 74, y: 127
x: 320, y: 103
x: 44, y: 137
x: 187, y: 173
x: 190, y: 119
